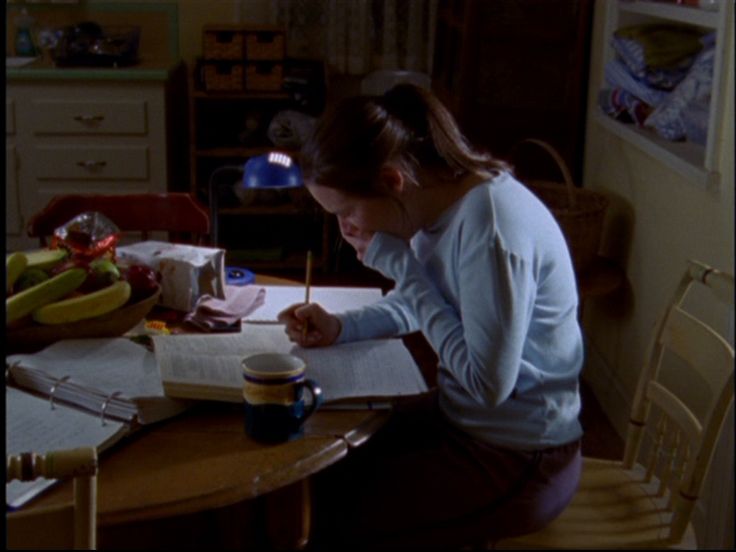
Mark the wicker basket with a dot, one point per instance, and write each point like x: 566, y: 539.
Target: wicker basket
x: 268, y: 45
x: 223, y: 44
x: 264, y: 76
x: 223, y: 76
x: 579, y: 212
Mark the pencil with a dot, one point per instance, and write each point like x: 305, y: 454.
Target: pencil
x: 307, y: 286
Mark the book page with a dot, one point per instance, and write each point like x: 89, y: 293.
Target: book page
x: 32, y: 426
x: 332, y: 299
x: 212, y: 363
x: 373, y: 369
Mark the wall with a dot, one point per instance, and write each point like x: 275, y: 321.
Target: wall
x: 658, y: 220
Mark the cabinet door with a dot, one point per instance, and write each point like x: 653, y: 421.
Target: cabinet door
x: 519, y: 71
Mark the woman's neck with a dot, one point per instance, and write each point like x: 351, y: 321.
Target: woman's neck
x: 434, y: 199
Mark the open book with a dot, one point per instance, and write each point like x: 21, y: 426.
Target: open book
x: 209, y: 366
x: 79, y: 393
x: 334, y: 299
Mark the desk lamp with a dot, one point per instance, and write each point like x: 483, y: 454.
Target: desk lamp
x: 270, y: 171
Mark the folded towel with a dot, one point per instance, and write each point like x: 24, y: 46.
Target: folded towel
x: 657, y: 45
x: 212, y: 314
x: 667, y: 119
x: 618, y: 76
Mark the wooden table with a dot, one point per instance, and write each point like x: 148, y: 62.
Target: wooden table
x: 202, y: 461
x: 197, y: 478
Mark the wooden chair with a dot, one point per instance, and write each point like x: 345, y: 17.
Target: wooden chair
x: 647, y: 499
x: 177, y: 213
x: 67, y: 526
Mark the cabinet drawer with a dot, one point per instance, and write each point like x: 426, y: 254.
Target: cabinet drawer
x: 84, y: 117
x: 92, y: 162
x: 9, y: 116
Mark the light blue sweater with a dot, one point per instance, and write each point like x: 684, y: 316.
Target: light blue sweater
x: 492, y: 288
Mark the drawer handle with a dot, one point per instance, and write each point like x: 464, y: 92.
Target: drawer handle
x: 91, y: 165
x: 89, y: 118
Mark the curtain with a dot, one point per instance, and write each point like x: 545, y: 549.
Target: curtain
x: 356, y: 37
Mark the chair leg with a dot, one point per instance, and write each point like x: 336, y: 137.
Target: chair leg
x: 288, y: 516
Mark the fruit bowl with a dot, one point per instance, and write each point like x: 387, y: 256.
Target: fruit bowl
x: 35, y: 337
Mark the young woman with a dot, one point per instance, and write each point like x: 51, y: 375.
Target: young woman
x: 482, y: 270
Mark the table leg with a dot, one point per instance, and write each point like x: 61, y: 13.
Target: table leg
x: 289, y: 516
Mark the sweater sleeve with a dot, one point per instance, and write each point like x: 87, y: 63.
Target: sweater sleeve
x: 388, y: 317
x: 480, y: 341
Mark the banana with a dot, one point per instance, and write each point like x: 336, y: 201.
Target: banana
x: 25, y: 302
x: 86, y: 306
x: 15, y: 264
x: 45, y: 258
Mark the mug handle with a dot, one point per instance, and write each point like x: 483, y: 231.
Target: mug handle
x: 316, y: 391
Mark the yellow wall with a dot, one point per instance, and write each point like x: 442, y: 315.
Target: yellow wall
x: 658, y: 219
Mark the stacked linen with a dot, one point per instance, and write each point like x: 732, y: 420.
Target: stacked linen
x: 661, y: 78
x: 684, y: 113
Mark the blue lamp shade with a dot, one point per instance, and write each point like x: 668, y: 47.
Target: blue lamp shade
x: 270, y: 171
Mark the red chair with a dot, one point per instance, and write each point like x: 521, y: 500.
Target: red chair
x: 177, y: 213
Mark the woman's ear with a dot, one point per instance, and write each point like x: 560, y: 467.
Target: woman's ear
x: 392, y: 178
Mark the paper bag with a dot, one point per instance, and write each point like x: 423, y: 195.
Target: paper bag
x: 187, y: 271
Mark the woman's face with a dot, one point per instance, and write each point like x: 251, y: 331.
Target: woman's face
x: 360, y: 217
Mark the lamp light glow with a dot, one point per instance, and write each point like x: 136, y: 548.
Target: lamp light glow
x: 274, y: 170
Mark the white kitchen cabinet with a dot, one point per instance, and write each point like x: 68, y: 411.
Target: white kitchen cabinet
x: 87, y: 136
x: 697, y: 162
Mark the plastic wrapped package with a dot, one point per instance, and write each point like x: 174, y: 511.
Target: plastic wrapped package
x: 187, y: 271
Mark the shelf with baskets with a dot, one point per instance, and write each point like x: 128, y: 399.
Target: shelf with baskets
x: 229, y: 123
x: 696, y: 159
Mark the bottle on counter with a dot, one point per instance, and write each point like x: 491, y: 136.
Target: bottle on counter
x: 24, y: 44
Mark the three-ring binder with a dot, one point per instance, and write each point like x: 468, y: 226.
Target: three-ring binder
x: 104, y: 405
x: 53, y: 390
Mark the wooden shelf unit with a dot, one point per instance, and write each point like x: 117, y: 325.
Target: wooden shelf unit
x: 226, y: 129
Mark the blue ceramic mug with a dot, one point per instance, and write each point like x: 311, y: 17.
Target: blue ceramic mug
x: 273, y: 389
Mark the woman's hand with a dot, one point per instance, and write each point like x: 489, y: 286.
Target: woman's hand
x: 322, y: 327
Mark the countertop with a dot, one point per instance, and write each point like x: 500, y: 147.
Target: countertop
x: 41, y: 69
x: 44, y: 69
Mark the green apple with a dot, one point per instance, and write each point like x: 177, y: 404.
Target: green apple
x: 29, y: 278
x: 102, y: 273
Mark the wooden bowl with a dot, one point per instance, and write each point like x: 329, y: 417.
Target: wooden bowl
x: 37, y: 336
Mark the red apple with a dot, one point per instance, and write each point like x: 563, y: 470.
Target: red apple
x: 143, y: 281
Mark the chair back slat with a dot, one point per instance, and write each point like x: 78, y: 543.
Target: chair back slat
x: 705, y: 350
x: 677, y: 411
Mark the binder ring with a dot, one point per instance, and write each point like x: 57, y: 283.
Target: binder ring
x: 104, y: 405
x: 9, y: 370
x: 53, y: 390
